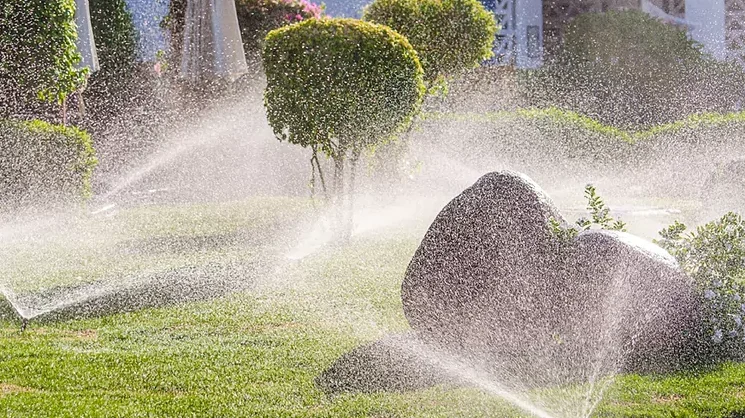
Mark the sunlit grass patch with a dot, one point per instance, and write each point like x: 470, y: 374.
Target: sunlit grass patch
x: 258, y: 354
x: 144, y: 241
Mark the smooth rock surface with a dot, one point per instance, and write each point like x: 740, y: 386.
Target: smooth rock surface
x: 492, y: 281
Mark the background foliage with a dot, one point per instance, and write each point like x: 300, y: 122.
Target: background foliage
x: 37, y: 52
x: 258, y: 17
x: 631, y: 70
x: 111, y: 90
x: 115, y: 35
x: 450, y: 36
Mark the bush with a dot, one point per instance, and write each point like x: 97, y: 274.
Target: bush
x: 714, y: 256
x: 340, y: 84
x: 450, y: 36
x: 631, y: 70
x: 258, y: 17
x: 43, y: 164
x: 38, y: 52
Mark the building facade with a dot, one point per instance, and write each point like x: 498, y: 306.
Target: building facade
x: 719, y: 25
x: 532, y: 29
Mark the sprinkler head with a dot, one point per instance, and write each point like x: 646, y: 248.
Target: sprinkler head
x: 24, y: 324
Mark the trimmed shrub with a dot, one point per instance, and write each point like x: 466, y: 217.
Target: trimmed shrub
x: 450, y: 36
x: 340, y: 84
x: 631, y: 70
x: 38, y: 52
x: 44, y: 164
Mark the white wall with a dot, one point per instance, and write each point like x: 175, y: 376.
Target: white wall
x: 528, y: 33
x: 708, y: 20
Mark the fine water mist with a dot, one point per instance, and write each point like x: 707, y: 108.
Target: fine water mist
x: 228, y: 155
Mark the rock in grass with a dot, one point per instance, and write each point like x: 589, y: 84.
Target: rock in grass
x: 392, y: 364
x: 494, y: 283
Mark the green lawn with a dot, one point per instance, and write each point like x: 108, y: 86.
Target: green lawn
x: 257, y: 353
x: 143, y: 240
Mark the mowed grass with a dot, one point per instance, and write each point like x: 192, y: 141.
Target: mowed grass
x: 142, y: 240
x: 256, y: 354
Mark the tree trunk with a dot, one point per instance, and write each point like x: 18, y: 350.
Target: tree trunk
x: 350, y: 206
x: 339, y: 198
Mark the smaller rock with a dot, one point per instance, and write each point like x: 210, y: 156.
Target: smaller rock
x: 388, y: 365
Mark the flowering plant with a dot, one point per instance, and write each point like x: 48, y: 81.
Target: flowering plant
x: 714, y: 256
x: 259, y: 17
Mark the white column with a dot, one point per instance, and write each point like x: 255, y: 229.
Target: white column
x: 528, y: 33
x: 212, y: 41
x: 85, y: 44
x: 708, y: 20
x: 229, y: 55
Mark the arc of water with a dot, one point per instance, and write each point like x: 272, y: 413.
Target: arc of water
x: 454, y: 367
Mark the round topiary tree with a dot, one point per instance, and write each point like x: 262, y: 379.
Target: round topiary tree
x: 450, y: 36
x: 38, y: 52
x: 340, y: 86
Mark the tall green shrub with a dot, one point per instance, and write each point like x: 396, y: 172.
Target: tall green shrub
x: 115, y: 35
x: 42, y: 163
x: 37, y: 50
x: 115, y: 87
x: 340, y: 86
x: 450, y: 36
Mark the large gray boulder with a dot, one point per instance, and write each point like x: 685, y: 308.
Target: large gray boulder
x: 491, y: 281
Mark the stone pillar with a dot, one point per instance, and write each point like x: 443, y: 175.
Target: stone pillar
x: 708, y: 20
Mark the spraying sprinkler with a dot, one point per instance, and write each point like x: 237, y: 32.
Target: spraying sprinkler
x: 24, y: 324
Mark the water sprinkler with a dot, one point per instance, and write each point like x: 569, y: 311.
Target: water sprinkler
x: 24, y: 324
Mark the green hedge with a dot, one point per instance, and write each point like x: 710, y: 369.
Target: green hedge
x: 43, y: 164
x: 558, y: 146
x: 37, y: 51
x: 343, y: 80
x: 450, y: 36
